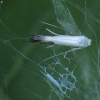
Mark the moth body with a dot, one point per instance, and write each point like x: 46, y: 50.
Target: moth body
x: 65, y: 40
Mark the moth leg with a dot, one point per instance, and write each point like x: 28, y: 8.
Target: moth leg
x: 51, y: 31
x: 73, y: 49
x: 50, y: 46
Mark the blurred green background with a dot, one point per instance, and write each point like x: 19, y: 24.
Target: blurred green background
x: 19, y: 19
x: 19, y: 58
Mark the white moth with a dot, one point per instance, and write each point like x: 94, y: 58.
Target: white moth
x: 74, y: 41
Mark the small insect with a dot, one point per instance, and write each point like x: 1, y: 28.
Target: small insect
x: 74, y: 41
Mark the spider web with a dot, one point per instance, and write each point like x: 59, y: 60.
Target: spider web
x: 32, y: 71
